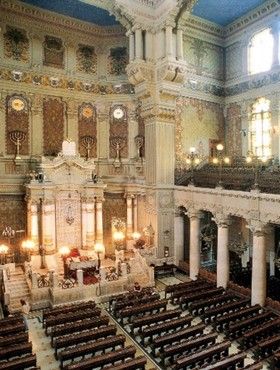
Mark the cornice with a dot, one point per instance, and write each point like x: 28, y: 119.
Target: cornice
x: 23, y: 13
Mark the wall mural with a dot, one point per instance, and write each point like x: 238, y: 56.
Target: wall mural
x: 87, y: 127
x: 53, y: 126
x: 17, y: 124
x: 86, y: 59
x: 53, y: 52
x: 16, y: 44
x: 233, y: 130
x: 197, y: 123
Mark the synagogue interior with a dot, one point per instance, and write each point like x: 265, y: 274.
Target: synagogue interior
x: 139, y: 184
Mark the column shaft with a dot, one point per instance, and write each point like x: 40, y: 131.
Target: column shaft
x: 128, y: 216
x: 90, y: 234
x: 131, y: 47
x: 259, y: 269
x: 34, y: 226
x: 135, y: 214
x: 194, y: 247
x: 168, y: 41
x: 99, y: 222
x: 49, y: 228
x: 179, y: 46
x: 138, y: 44
x: 222, y: 256
x: 84, y: 225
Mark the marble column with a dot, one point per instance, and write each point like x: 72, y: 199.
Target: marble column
x: 33, y: 231
x: 84, y: 224
x: 258, y: 290
x: 222, y: 253
x: 129, y: 220
x: 99, y: 220
x: 275, y: 33
x: 36, y: 136
x: 168, y: 41
x: 149, y: 45
x: 90, y: 222
x: 131, y: 45
x: 135, y: 213
x: 194, y: 244
x: 138, y: 43
x: 179, y: 44
x: 178, y: 237
x: 49, y: 232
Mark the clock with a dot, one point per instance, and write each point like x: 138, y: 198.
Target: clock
x: 17, y: 104
x: 118, y: 113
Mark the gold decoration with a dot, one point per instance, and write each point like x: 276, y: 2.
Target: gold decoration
x: 17, y: 104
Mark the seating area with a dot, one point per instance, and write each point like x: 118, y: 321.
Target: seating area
x: 82, y: 338
x: 15, y: 348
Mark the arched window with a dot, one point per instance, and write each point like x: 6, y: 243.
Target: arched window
x: 260, y: 129
x: 261, y: 52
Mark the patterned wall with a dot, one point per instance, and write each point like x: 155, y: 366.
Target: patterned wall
x: 53, y: 52
x: 87, y: 130
x: 17, y: 124
x: 114, y: 206
x: 118, y: 134
x: 204, y: 58
x: 16, y: 44
x: 53, y: 126
x: 233, y: 130
x: 197, y: 123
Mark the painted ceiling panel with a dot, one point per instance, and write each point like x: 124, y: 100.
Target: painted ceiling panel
x: 223, y: 12
x: 76, y: 9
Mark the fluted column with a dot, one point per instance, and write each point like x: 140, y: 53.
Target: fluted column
x: 129, y: 221
x: 258, y: 290
x: 222, y: 253
x: 48, y: 224
x: 135, y: 214
x: 130, y: 34
x: 179, y: 44
x: 168, y: 41
x: 138, y: 43
x: 194, y: 244
x: 99, y: 220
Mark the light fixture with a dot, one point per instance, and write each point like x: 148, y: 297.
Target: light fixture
x: 64, y: 251
x: 192, y: 159
x: 28, y: 246
x: 136, y: 235
x: 99, y: 248
x: 3, y: 251
x: 220, y: 147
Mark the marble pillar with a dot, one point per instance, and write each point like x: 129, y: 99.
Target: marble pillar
x: 223, y: 254
x: 49, y: 229
x: 179, y: 44
x: 90, y: 222
x: 131, y: 46
x: 258, y: 290
x: 169, y: 41
x: 194, y: 244
x: 34, y: 226
x: 138, y: 43
x: 129, y: 220
x: 99, y: 220
x: 135, y: 214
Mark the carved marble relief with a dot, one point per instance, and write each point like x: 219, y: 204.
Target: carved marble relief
x: 86, y: 59
x: 118, y: 134
x: 53, y: 52
x: 117, y: 61
x: 87, y: 127
x: 16, y: 44
x: 53, y: 126
x: 17, y: 125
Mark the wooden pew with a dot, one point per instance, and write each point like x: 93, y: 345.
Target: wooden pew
x: 91, y: 348
x: 155, y: 318
x: 147, y: 307
x: 78, y: 326
x: 224, y: 321
x: 136, y: 363
x: 255, y: 366
x: 161, y: 341
x: 17, y: 350
x: 188, y: 284
x: 104, y: 359
x: 19, y: 363
x: 212, y: 313
x: 236, y: 330
x: 218, y: 350
x: 198, y: 307
x: 12, y: 329
x: 130, y: 295
x: 187, y: 346
x: 84, y: 337
x: 166, y: 326
x: 176, y: 295
x: 48, y: 312
x: 12, y: 320
x: 132, y: 303
x: 70, y: 317
x: 251, y: 337
x: 232, y: 361
x: 266, y: 347
x: 207, y: 293
x: 13, y: 339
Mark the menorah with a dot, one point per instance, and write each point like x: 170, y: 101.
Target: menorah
x: 88, y: 142
x: 17, y: 137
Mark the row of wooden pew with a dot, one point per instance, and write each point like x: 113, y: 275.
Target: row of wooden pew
x: 88, y: 334
x: 15, y: 348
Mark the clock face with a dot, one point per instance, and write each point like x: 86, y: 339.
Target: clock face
x: 118, y: 113
x: 17, y: 104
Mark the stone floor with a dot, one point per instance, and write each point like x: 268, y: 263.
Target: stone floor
x: 45, y: 353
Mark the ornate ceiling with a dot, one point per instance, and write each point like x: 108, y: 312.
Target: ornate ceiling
x: 221, y: 12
